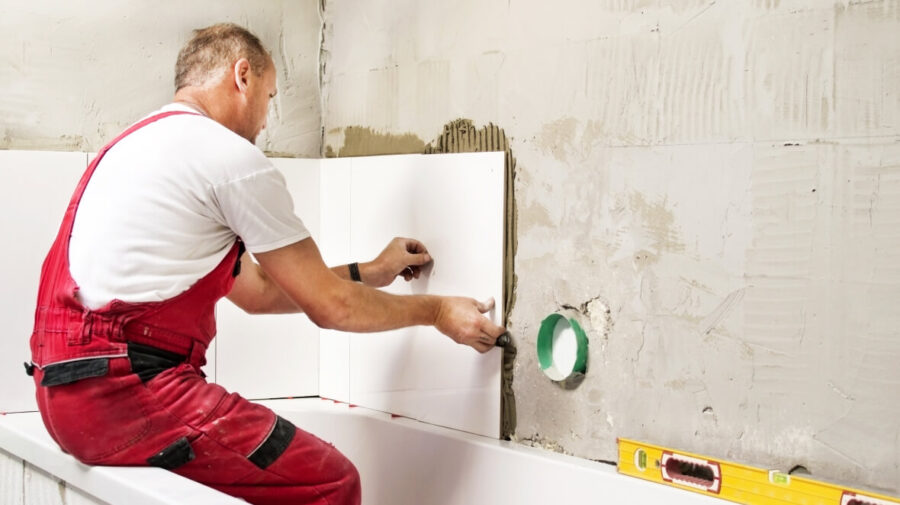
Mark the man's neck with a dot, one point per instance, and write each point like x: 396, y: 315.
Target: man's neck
x: 212, y: 102
x: 192, y: 104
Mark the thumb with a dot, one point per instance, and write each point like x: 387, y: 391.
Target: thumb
x: 485, y: 305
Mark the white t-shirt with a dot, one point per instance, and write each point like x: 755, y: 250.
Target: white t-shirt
x: 165, y: 205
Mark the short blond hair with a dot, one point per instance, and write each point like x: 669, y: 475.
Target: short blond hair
x: 215, y: 48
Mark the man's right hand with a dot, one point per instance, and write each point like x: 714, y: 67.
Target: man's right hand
x: 461, y: 319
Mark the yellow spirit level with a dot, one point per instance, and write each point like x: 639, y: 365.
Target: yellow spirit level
x: 732, y: 481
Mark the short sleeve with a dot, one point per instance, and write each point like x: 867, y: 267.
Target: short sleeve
x: 259, y: 209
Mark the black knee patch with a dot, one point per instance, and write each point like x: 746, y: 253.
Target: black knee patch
x: 275, y: 444
x: 173, y: 456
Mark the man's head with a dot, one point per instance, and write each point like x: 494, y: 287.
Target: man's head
x: 226, y: 71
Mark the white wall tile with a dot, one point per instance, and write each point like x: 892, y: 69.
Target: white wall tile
x: 266, y: 356
x: 454, y: 205
x: 33, y: 198
x: 273, y: 356
x: 334, y: 243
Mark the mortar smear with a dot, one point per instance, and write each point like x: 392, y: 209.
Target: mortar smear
x: 361, y: 141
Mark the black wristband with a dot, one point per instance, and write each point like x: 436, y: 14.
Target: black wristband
x: 354, y: 272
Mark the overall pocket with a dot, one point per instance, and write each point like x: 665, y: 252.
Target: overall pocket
x: 58, y: 374
x: 96, y: 416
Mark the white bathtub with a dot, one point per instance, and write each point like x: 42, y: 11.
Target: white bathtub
x: 400, y: 461
x: 406, y: 462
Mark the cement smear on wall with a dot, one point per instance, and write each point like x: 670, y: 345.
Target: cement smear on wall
x: 359, y: 141
x: 75, y: 74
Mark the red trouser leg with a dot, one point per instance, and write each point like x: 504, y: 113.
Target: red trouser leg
x: 199, y: 431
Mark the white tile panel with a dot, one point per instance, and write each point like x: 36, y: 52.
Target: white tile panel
x: 453, y: 204
x: 273, y: 356
x: 334, y: 244
x: 36, y: 189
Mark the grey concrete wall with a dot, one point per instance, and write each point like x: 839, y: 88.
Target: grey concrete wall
x: 73, y: 74
x: 712, y: 187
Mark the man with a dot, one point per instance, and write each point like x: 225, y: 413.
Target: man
x: 154, y: 236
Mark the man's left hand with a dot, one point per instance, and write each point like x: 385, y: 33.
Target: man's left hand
x: 403, y: 257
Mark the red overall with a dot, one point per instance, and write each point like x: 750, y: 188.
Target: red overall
x: 121, y: 385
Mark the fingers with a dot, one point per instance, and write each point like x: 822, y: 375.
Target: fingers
x: 491, y: 330
x: 418, y: 259
x: 481, y: 347
x: 486, y: 305
x: 413, y: 246
x: 403, y: 257
x: 417, y: 254
x: 457, y: 319
x: 410, y: 272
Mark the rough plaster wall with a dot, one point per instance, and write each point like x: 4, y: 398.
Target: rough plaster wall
x: 73, y: 74
x: 712, y: 187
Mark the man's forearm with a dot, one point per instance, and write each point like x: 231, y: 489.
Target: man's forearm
x: 331, y: 301
x: 361, y: 309
x: 365, y: 272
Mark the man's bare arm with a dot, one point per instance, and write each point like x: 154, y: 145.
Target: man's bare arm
x: 255, y: 292
x: 332, y: 302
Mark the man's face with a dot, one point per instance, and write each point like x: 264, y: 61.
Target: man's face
x: 260, y: 91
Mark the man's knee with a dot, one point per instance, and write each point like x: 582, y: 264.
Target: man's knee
x: 349, y: 489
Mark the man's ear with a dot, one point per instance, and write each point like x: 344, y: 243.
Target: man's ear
x: 241, y: 74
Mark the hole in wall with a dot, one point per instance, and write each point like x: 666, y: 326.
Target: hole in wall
x: 799, y: 470
x: 562, y: 350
